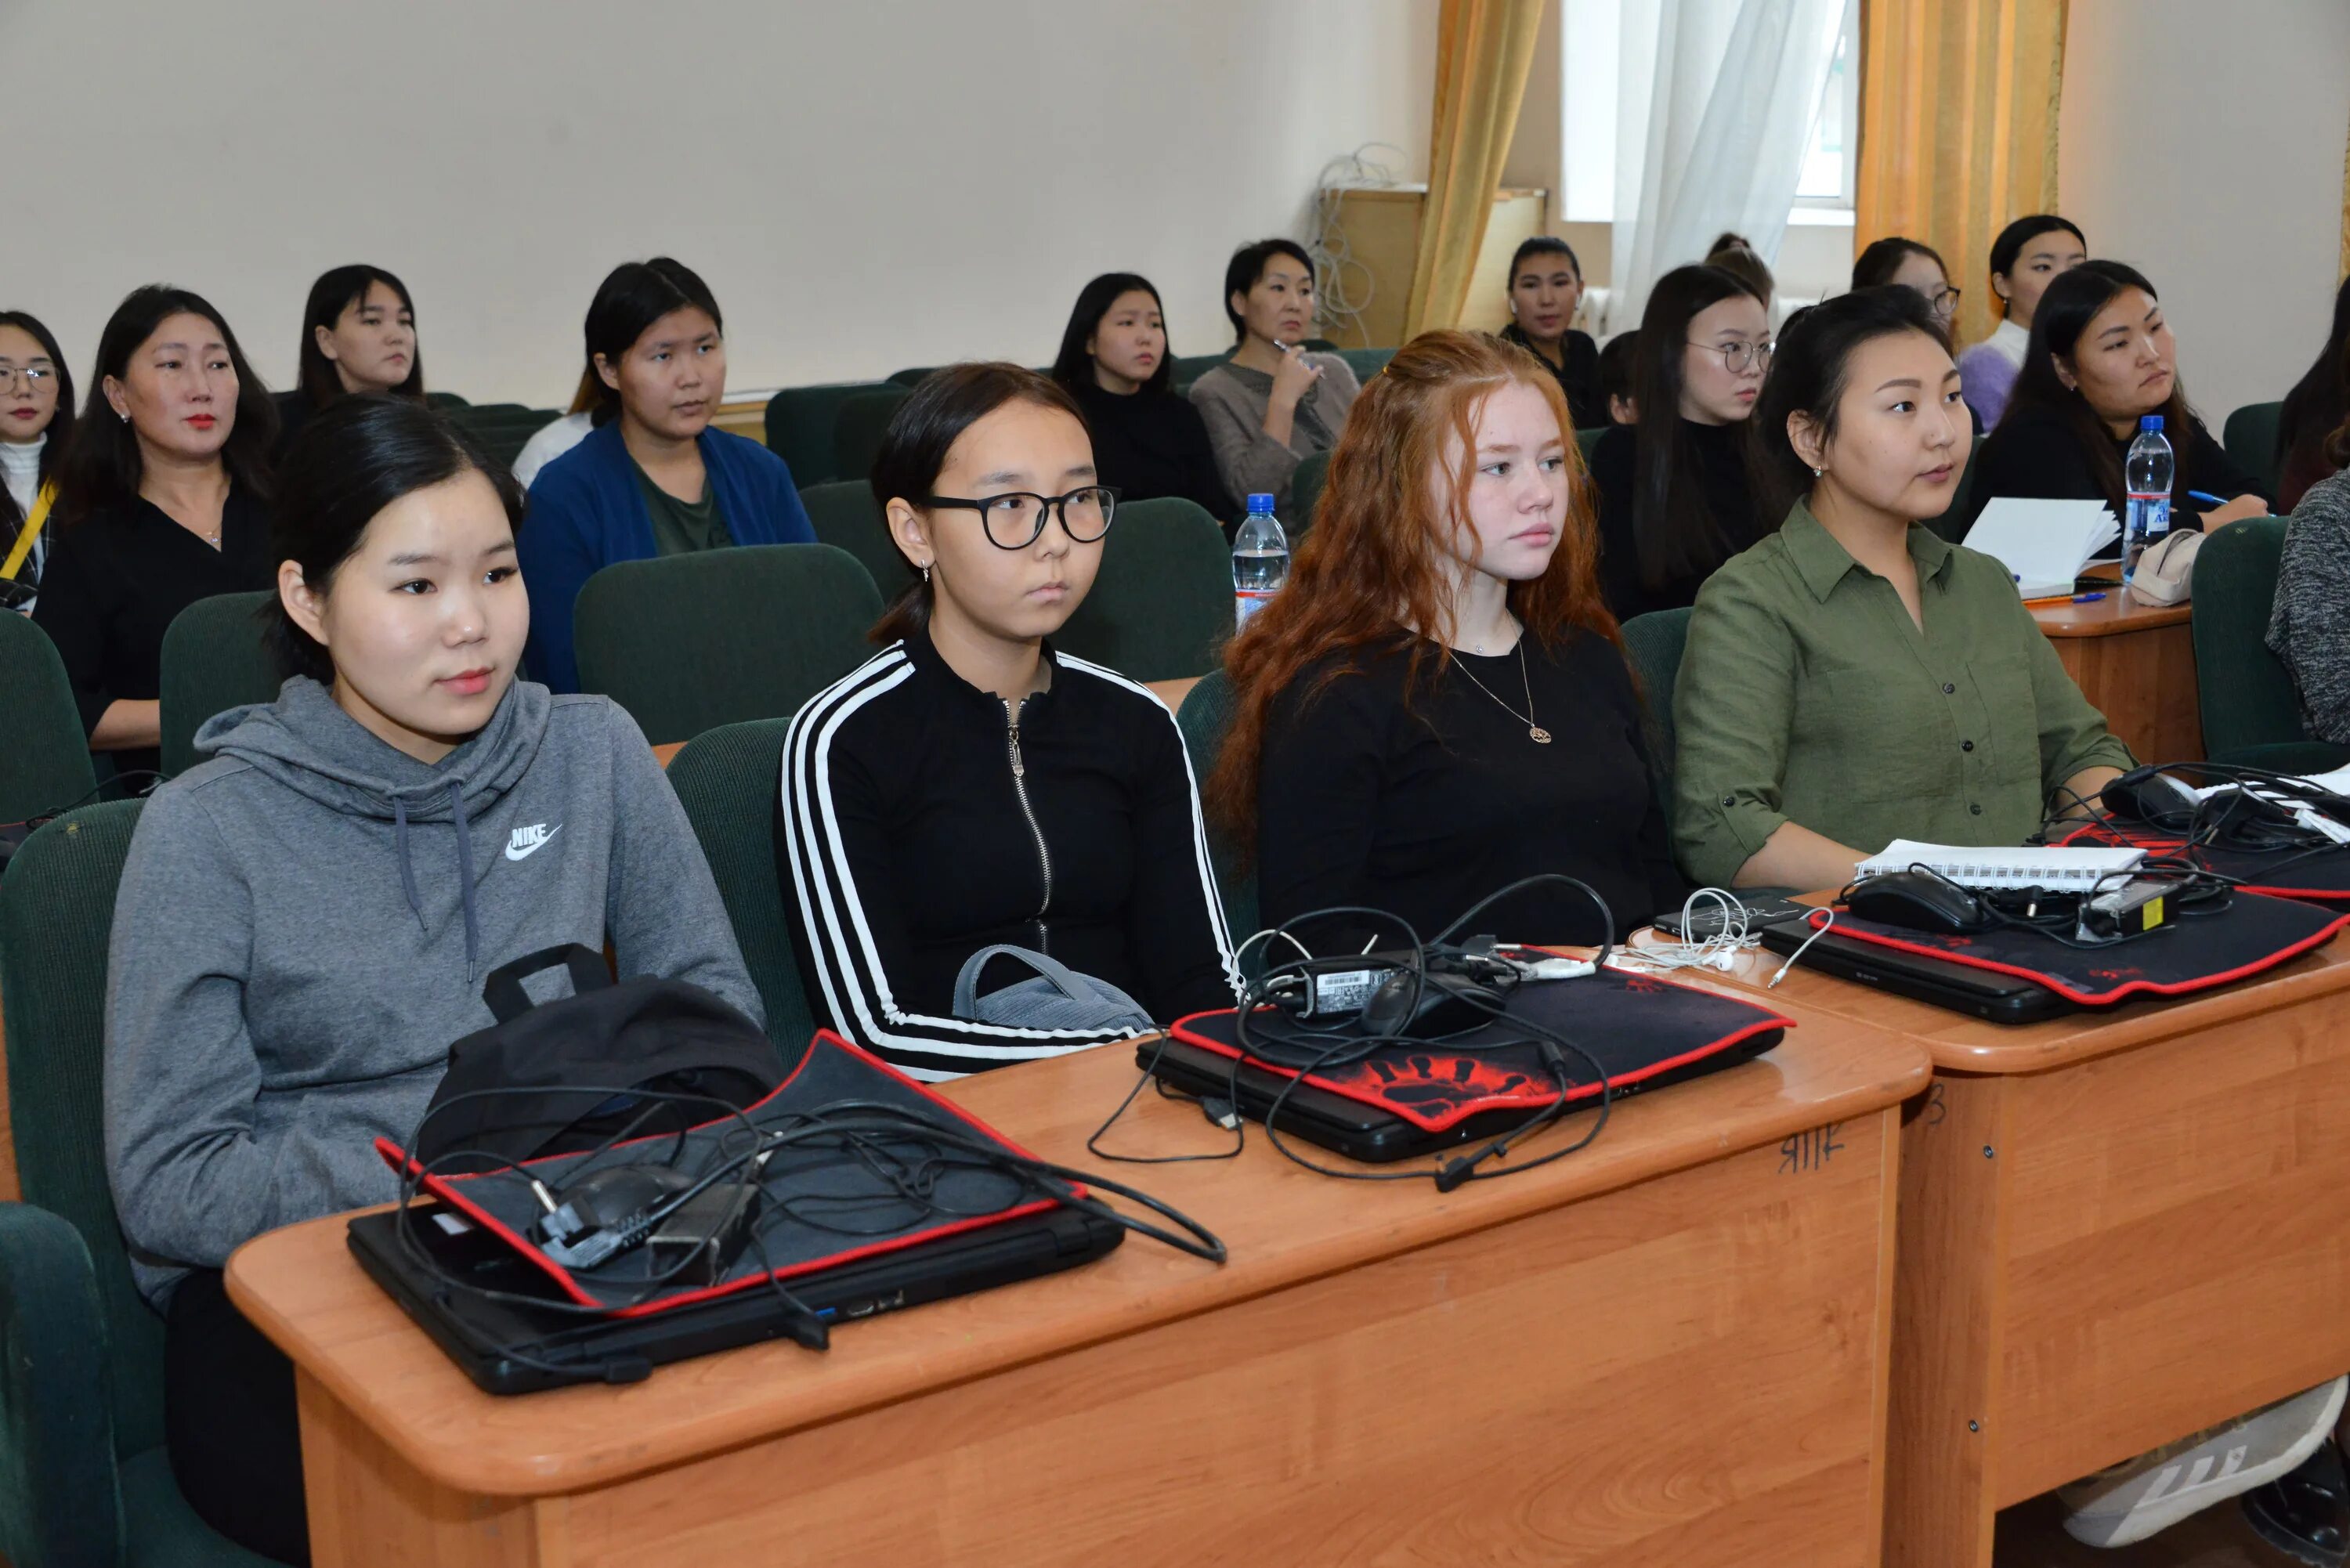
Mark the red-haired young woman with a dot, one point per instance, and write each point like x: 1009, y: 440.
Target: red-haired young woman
x: 1438, y: 704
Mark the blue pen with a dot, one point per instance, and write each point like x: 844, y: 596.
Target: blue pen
x: 2206, y: 497
x: 2086, y: 598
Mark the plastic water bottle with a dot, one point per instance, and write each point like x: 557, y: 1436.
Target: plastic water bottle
x: 2148, y: 480
x: 1259, y: 559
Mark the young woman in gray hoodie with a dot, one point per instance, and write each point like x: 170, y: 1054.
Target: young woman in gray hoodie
x: 307, y: 918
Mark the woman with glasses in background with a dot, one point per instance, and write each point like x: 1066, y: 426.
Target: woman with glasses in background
x: 968, y: 785
x: 1674, y: 500
x: 1908, y: 264
x: 36, y: 417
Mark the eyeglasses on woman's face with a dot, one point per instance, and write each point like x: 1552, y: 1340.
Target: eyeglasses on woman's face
x: 1016, y: 520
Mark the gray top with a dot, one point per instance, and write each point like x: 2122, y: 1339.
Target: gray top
x: 304, y: 926
x: 2310, y: 626
x: 1233, y: 398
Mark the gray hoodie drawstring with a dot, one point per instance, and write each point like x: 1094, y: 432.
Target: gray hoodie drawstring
x: 465, y: 867
x: 464, y: 870
x: 407, y: 871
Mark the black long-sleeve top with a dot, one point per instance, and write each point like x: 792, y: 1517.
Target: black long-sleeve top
x: 2034, y: 453
x: 1722, y: 479
x: 919, y: 826
x: 1421, y: 811
x: 1150, y: 444
x: 1577, y: 373
x: 115, y: 579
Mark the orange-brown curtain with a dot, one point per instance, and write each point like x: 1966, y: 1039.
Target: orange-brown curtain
x: 1484, y: 50
x: 1958, y: 130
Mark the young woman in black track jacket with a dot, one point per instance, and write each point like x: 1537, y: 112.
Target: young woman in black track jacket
x: 967, y: 785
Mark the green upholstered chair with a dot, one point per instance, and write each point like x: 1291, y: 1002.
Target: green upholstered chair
x: 84, y: 1478
x: 686, y: 643
x: 1587, y: 438
x: 857, y: 430
x: 800, y: 423
x: 2252, y: 715
x: 727, y: 779
x: 1366, y: 362
x: 2251, y: 437
x: 913, y: 377
x: 445, y: 401
x: 1304, y: 495
x: 1161, y: 605
x: 45, y: 760
x: 1655, y: 641
x: 1189, y: 367
x: 1953, y: 524
x: 1206, y: 713
x: 846, y: 516
x: 216, y: 656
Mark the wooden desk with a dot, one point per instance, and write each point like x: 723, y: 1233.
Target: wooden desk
x: 1666, y: 1350
x: 2115, y: 1229
x: 2135, y: 664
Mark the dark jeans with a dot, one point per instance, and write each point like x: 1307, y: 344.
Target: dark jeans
x: 228, y: 1423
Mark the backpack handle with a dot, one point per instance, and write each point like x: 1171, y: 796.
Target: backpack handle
x: 1055, y: 973
x: 502, y: 990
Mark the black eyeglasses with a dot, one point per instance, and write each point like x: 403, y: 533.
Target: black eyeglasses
x: 1736, y: 356
x: 1016, y: 520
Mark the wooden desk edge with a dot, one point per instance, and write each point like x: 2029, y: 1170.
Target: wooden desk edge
x: 1903, y: 1073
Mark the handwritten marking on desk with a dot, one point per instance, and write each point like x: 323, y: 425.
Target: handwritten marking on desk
x: 1937, y: 1109
x: 1809, y: 1150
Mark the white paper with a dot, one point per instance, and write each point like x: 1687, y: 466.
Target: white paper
x: 2043, y: 543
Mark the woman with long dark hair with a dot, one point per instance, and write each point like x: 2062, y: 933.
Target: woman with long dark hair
x: 1273, y: 403
x: 308, y: 917
x: 1115, y: 361
x: 1439, y: 704
x: 162, y: 500
x: 655, y: 477
x: 1854, y: 678
x: 2314, y: 410
x: 37, y: 420
x: 2102, y: 358
x: 1674, y: 502
x: 968, y: 785
x: 2029, y: 254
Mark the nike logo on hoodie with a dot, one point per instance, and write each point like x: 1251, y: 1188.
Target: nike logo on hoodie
x: 528, y: 841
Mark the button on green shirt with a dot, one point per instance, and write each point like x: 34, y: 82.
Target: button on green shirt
x: 682, y: 527
x: 1808, y: 695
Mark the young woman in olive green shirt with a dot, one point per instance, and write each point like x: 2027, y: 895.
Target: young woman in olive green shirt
x: 1853, y: 679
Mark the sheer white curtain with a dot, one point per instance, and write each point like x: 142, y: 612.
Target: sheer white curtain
x: 1714, y: 111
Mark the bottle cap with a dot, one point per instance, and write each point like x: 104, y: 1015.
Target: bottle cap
x: 1261, y: 502
x: 2149, y: 422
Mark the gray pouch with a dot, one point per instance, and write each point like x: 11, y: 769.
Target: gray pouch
x: 1060, y: 998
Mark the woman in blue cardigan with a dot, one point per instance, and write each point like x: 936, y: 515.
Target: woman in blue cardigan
x: 653, y: 478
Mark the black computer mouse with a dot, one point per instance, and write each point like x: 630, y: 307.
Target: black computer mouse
x: 1919, y: 901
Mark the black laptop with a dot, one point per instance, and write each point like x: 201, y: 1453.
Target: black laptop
x: 1962, y: 988
x: 485, y: 1336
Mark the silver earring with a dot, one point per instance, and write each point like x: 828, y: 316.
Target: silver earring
x: 926, y: 576
x: 126, y: 419
x: 1817, y: 471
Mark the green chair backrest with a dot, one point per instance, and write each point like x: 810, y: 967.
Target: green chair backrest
x: 857, y: 434
x: 1366, y: 362
x: 1953, y: 524
x: 2252, y: 715
x: 56, y: 909
x: 216, y: 656
x: 800, y: 422
x: 686, y: 643
x: 911, y: 378
x: 1161, y: 606
x: 445, y: 401
x: 1654, y: 641
x: 1206, y: 715
x: 1304, y: 495
x: 727, y: 779
x: 846, y: 516
x: 45, y: 760
x: 1587, y: 438
x: 2253, y: 436
x: 1189, y: 367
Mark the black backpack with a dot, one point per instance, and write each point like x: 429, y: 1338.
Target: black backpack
x: 542, y: 1079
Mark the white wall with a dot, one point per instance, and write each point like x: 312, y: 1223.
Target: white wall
x: 866, y: 184
x: 2202, y: 143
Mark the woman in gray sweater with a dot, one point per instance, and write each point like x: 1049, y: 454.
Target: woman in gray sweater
x: 1272, y: 404
x: 306, y: 921
x: 2310, y: 626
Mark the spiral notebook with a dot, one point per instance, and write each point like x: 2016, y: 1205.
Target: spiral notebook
x: 2077, y: 869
